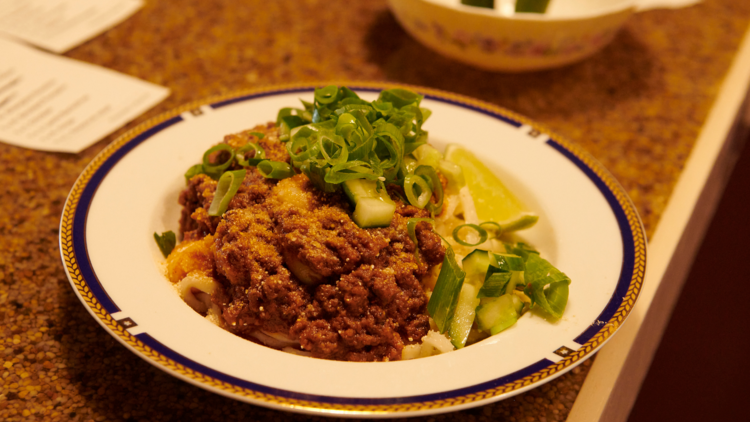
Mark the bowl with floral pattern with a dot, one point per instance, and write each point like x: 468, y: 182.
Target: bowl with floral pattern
x: 496, y: 39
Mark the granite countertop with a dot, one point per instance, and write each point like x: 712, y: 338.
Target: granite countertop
x: 637, y: 106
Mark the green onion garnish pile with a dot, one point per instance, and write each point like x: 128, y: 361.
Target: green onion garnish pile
x: 337, y: 138
x: 342, y: 137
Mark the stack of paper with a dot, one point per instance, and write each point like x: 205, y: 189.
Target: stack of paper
x: 53, y: 103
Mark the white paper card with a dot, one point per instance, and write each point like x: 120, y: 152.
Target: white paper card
x: 59, y: 25
x: 53, y: 103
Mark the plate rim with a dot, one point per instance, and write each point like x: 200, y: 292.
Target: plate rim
x: 75, y: 260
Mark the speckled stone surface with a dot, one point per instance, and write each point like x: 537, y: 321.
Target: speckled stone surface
x: 637, y: 106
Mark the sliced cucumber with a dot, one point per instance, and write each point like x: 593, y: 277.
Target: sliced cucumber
x: 475, y: 265
x: 508, y: 262
x: 495, y: 285
x: 497, y: 314
x: 516, y: 279
x: 463, y: 318
x: 427, y: 155
x: 372, y: 208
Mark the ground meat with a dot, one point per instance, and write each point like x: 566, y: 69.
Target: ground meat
x: 274, y: 149
x: 369, y: 311
x: 195, y: 223
x: 290, y: 260
x: 192, y: 198
x: 261, y: 291
x: 326, y: 240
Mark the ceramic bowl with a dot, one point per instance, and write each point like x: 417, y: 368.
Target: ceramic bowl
x: 587, y: 227
x: 569, y: 31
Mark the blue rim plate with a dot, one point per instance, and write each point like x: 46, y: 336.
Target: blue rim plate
x: 588, y: 228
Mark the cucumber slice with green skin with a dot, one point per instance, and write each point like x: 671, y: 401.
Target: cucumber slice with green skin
x: 517, y: 302
x: 497, y: 314
x: 495, y: 285
x: 475, y: 266
x: 427, y: 155
x: 508, y: 262
x: 372, y: 208
x: 463, y: 318
x: 516, y: 279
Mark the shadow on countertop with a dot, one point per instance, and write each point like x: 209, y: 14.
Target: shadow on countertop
x: 627, y: 63
x: 701, y: 368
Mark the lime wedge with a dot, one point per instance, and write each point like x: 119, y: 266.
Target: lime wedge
x: 493, y: 201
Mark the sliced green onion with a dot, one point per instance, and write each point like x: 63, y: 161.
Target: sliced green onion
x: 227, y: 187
x: 299, y: 147
x: 286, y: 122
x: 349, y: 171
x: 524, y: 221
x: 333, y: 149
x: 275, y: 169
x: 410, y: 164
x: 411, y: 229
x: 215, y: 170
x: 428, y: 173
x: 259, y: 154
x: 480, y: 231
x: 286, y: 111
x: 417, y: 190
x: 340, y: 137
x: 400, y: 97
x: 258, y: 135
x: 498, y: 229
x: 326, y: 95
x: 317, y: 175
x: 444, y: 298
x: 410, y: 146
x: 194, y: 171
x: 546, y: 285
x: 521, y: 249
x: 293, y: 121
x: 166, y: 242
x: 426, y: 113
x: 494, y: 285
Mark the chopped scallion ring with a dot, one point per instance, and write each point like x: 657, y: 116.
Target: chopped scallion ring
x: 258, y: 135
x: 215, y: 170
x: 259, y: 154
x: 227, y: 187
x: 299, y: 148
x: 326, y: 95
x: 428, y: 173
x: 498, y: 227
x: 524, y: 221
x: 334, y: 149
x: 417, y: 190
x: 194, y: 171
x: 482, y: 235
x: 411, y: 226
x: 275, y: 169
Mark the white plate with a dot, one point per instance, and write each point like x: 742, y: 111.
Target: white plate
x: 588, y: 228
